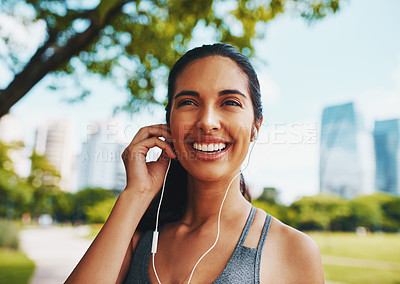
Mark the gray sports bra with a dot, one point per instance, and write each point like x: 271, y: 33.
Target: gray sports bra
x: 243, y: 266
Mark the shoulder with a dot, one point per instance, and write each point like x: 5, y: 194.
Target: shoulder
x: 291, y: 256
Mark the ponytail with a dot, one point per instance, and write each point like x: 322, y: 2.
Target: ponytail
x: 244, y: 189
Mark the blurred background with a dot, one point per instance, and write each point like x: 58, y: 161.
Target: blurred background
x: 79, y: 78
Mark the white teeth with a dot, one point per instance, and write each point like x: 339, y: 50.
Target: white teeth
x: 209, y: 147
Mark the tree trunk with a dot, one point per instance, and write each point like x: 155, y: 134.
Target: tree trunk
x: 41, y: 64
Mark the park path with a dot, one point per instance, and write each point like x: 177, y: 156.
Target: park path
x: 55, y: 251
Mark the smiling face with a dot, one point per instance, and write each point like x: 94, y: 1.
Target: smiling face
x: 212, y: 118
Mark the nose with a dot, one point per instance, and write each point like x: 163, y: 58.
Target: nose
x: 208, y: 120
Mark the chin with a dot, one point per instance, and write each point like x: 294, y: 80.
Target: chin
x: 207, y: 171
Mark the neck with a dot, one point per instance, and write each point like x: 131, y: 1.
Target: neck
x: 205, y: 198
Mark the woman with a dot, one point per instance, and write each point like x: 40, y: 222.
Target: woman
x: 213, y: 114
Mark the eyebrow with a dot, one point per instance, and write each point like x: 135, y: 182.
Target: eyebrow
x: 232, y: 91
x: 187, y: 93
x: 221, y: 93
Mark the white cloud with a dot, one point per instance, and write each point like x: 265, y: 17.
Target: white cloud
x: 381, y: 104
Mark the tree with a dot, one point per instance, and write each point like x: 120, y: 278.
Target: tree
x: 8, y: 179
x: 15, y: 192
x: 276, y: 210
x: 87, y: 198
x: 63, y: 206
x: 98, y: 213
x: 391, y: 210
x: 316, y: 212
x: 367, y: 211
x: 269, y: 194
x: 378, y: 211
x: 44, y: 179
x: 131, y: 42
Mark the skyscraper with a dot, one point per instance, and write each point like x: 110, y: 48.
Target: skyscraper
x: 387, y: 151
x: 346, y: 153
x: 55, y: 140
x: 100, y: 163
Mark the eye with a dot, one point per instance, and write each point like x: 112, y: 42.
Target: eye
x: 231, y: 103
x: 186, y: 103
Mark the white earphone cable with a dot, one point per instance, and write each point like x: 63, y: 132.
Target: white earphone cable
x: 155, y: 233
x: 219, y: 215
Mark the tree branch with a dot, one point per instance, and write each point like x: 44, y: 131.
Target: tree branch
x: 49, y: 57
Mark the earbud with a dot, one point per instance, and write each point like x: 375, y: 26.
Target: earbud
x: 254, y: 135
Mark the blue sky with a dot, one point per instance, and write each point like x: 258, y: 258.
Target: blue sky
x: 351, y: 56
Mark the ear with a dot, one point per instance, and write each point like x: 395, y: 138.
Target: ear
x: 256, y: 129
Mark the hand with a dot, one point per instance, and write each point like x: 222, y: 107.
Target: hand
x: 147, y: 177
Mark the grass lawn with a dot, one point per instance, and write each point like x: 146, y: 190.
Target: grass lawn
x: 356, y: 275
x: 374, y: 258
x: 384, y: 247
x: 15, y: 267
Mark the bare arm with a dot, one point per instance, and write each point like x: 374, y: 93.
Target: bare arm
x: 103, y: 261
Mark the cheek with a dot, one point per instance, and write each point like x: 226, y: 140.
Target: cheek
x: 182, y: 122
x: 179, y: 130
x: 240, y: 131
x: 239, y: 125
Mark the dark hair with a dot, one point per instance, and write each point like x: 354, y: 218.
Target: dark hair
x: 174, y: 201
x: 175, y: 198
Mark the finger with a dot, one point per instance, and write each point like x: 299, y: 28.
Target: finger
x: 163, y: 157
x: 144, y: 146
x: 152, y: 131
x: 159, y: 166
x: 163, y: 128
x: 161, y: 162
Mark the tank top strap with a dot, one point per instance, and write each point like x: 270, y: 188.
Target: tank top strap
x: 260, y: 246
x: 247, y: 226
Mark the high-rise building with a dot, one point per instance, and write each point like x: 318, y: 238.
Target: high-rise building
x: 55, y: 140
x: 387, y: 151
x: 100, y: 163
x: 346, y: 153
